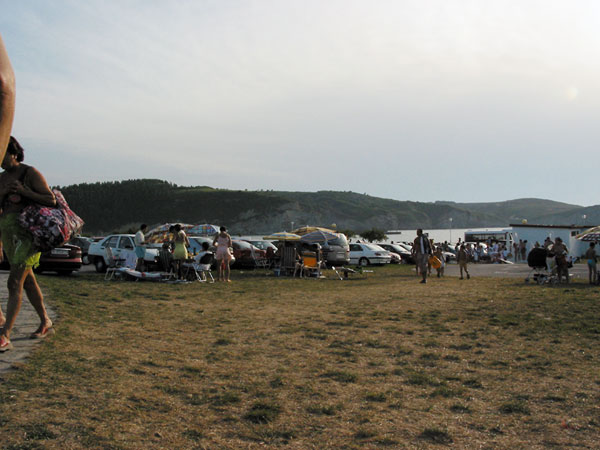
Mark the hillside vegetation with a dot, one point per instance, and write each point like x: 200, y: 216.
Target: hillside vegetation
x: 122, y: 205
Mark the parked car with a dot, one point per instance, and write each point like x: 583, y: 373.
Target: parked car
x: 366, y: 254
x: 246, y: 254
x: 118, y: 243
x: 196, y: 247
x: 267, y: 246
x: 63, y: 260
x: 405, y: 254
x: 84, y: 244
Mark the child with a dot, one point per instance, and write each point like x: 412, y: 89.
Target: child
x: 203, y: 260
x: 439, y: 255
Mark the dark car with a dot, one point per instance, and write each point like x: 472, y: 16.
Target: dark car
x: 246, y: 254
x: 83, y: 243
x: 267, y: 246
x: 405, y: 254
x: 62, y: 260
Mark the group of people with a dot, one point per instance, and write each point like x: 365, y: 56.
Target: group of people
x: 20, y: 186
x: 174, y: 253
x: 428, y: 256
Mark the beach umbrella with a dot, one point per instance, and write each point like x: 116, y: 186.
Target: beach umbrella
x: 204, y: 229
x: 282, y: 236
x: 305, y: 230
x: 319, y: 236
x: 161, y: 233
x: 590, y: 235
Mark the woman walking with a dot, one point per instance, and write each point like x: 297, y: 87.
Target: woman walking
x: 20, y: 186
x: 223, y: 255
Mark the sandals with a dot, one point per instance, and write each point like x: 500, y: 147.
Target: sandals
x: 42, y: 332
x: 5, y: 344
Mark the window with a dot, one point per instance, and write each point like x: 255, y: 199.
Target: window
x: 111, y: 242
x: 126, y: 243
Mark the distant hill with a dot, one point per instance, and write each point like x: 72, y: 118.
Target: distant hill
x: 123, y: 205
x: 514, y: 211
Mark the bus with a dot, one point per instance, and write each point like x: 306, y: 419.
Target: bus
x: 504, y: 236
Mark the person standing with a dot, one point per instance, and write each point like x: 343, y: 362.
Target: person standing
x: 591, y: 257
x: 180, y: 254
x: 223, y: 255
x: 463, y: 259
x: 20, y: 186
x: 560, y: 251
x: 140, y: 247
x: 421, y: 250
x: 439, y: 255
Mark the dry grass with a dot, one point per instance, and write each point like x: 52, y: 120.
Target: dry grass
x: 264, y: 362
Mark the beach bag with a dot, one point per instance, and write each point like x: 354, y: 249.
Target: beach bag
x: 435, y: 262
x: 50, y: 226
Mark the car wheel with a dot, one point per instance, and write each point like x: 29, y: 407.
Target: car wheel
x: 100, y: 265
x: 363, y: 262
x: 85, y: 259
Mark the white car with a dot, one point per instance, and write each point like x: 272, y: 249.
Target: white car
x: 118, y: 243
x: 365, y: 254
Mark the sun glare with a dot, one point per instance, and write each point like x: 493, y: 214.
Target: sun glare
x: 572, y: 93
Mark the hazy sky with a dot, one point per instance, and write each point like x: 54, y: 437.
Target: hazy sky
x: 413, y: 100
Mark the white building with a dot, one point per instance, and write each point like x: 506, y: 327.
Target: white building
x: 538, y: 233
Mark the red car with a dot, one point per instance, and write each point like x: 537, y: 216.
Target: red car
x: 63, y: 260
x: 246, y: 255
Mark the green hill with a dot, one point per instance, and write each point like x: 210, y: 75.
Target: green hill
x: 123, y: 205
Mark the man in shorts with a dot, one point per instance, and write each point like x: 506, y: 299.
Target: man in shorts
x: 591, y: 257
x: 421, y: 250
x: 140, y: 249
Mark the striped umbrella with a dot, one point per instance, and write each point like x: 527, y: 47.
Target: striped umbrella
x: 282, y: 236
x: 204, y: 229
x: 590, y: 235
x: 319, y: 236
x: 161, y: 233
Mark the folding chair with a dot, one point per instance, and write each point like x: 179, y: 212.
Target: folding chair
x: 113, y: 264
x: 311, y: 265
x: 345, y: 270
x: 289, y: 262
x: 198, y: 270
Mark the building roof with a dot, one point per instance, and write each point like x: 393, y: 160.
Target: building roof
x: 568, y: 227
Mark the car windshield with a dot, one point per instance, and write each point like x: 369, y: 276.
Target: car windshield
x: 374, y: 247
x: 340, y: 241
x: 242, y: 245
x: 397, y: 248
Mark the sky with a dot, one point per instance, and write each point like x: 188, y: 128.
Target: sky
x: 460, y: 100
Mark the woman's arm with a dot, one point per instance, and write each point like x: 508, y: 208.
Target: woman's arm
x: 39, y: 191
x: 7, y: 98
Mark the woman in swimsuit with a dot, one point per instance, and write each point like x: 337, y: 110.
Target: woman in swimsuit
x: 223, y: 255
x: 21, y: 185
x: 180, y: 253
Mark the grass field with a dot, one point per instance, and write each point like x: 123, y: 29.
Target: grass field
x: 380, y: 361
